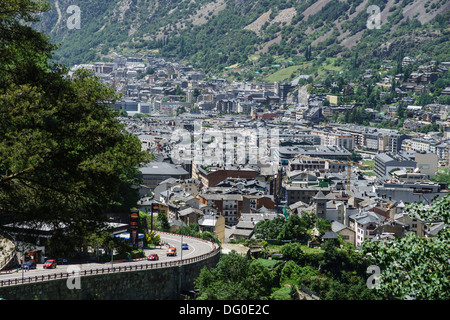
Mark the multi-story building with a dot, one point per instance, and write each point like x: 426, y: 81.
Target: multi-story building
x: 228, y: 205
x: 395, y: 141
x: 385, y: 162
x: 298, y: 164
x: 154, y: 173
x: 364, y: 225
x: 371, y: 140
x: 211, y: 176
x: 425, y: 145
x: 411, y: 191
x: 415, y: 224
x: 324, y: 152
x: 304, y: 194
x: 344, y: 140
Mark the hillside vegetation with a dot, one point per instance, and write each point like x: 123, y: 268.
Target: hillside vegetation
x: 252, y: 34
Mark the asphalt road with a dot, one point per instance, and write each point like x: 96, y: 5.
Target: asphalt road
x: 196, y: 248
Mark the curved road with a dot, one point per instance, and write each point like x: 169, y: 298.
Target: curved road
x: 197, y: 247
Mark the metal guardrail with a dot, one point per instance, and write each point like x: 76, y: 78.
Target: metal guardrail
x: 310, y: 293
x: 107, y: 270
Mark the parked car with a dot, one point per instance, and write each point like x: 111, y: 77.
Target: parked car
x: 171, y: 252
x: 61, y: 261
x: 29, y: 265
x: 153, y: 257
x: 50, y: 264
x: 184, y: 246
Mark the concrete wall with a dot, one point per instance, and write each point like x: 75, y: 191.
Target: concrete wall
x: 153, y: 284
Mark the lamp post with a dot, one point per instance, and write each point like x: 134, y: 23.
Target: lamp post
x: 23, y: 257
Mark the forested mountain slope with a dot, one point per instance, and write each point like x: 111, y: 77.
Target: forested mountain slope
x: 250, y: 34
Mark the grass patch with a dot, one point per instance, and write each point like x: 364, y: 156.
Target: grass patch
x: 254, y: 57
x: 272, y: 248
x: 283, y: 74
x: 309, y: 250
x: 328, y: 67
x: 269, y: 263
x: 369, y: 163
x: 282, y: 294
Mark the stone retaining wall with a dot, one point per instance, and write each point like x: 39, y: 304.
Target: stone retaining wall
x: 152, y: 284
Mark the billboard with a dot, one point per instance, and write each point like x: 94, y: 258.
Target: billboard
x: 134, y: 225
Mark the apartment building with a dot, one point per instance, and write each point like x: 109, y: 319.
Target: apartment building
x: 344, y: 140
x: 228, y: 205
x: 364, y: 225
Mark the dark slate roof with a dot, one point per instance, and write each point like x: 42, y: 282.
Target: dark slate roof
x: 329, y: 235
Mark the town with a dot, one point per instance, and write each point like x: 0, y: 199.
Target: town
x: 209, y: 151
x: 359, y: 177
x: 271, y: 176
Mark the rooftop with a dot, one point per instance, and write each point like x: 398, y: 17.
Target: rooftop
x: 162, y: 168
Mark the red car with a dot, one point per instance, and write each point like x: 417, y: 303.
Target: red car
x: 172, y: 252
x: 153, y: 256
x: 50, y: 264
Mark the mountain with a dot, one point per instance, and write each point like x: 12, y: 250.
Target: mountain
x: 250, y: 38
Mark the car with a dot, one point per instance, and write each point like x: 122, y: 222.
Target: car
x: 29, y: 265
x: 153, y: 257
x: 171, y: 252
x: 61, y: 260
x: 184, y: 246
x: 50, y: 264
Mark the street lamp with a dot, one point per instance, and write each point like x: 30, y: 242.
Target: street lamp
x: 23, y: 257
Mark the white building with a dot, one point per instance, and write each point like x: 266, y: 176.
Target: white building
x: 364, y: 225
x: 344, y: 140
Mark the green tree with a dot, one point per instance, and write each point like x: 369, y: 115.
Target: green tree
x: 293, y: 251
x: 261, y: 279
x: 234, y: 278
x: 63, y: 153
x: 24, y: 52
x: 323, y: 225
x: 444, y: 99
x: 269, y: 229
x: 442, y: 176
x: 190, y: 230
x: 153, y: 238
x: 413, y: 266
x: 291, y: 271
x: 336, y: 291
x: 333, y: 260
x: 424, y: 99
x: 308, y: 53
x: 162, y: 221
